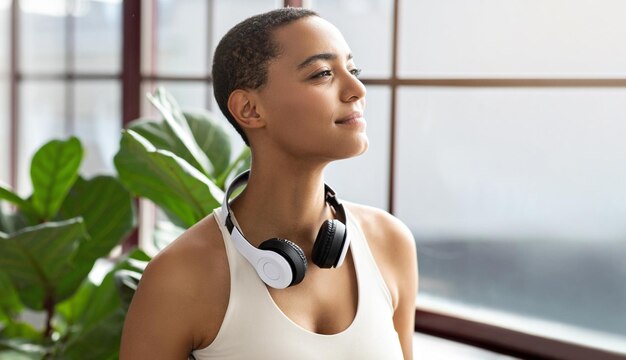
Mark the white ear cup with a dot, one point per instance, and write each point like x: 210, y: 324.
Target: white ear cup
x: 273, y: 269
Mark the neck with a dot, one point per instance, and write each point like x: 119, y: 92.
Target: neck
x: 286, y: 203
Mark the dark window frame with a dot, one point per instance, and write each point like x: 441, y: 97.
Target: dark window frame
x: 494, y: 338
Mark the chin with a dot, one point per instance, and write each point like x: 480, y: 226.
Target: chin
x: 355, y: 148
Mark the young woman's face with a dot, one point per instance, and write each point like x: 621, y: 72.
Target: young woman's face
x: 313, y: 102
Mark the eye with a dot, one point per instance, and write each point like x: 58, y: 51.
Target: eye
x: 322, y: 74
x: 356, y: 72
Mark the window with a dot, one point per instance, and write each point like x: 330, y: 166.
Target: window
x: 66, y: 81
x: 509, y: 163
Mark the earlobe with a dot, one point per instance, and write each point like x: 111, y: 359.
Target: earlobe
x: 241, y: 105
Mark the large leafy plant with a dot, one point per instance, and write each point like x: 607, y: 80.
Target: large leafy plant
x: 181, y: 163
x: 48, y: 247
x: 49, y: 244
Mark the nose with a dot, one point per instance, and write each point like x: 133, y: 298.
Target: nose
x: 353, y: 88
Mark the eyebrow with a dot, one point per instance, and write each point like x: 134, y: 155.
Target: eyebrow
x: 321, y: 56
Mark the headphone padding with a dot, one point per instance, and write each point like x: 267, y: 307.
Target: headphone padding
x: 292, y: 253
x: 329, y: 244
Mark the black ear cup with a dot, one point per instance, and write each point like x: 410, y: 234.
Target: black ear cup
x: 292, y: 253
x: 329, y: 244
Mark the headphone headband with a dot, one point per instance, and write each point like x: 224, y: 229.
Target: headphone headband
x: 241, y: 179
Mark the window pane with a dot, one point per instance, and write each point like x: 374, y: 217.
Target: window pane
x: 370, y: 185
x: 175, y: 37
x: 42, y: 36
x: 186, y: 94
x: 98, y: 124
x: 5, y: 37
x: 5, y: 130
x: 496, y: 38
x: 42, y: 118
x: 516, y: 198
x: 98, y: 36
x: 227, y: 14
x: 367, y: 27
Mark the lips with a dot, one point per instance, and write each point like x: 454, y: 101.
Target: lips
x: 351, y: 118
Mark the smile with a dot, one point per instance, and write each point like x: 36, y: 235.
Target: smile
x: 355, y: 118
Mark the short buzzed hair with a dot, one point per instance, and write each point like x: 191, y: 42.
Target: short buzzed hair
x: 242, y: 56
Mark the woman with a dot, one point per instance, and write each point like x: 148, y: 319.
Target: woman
x: 287, y: 81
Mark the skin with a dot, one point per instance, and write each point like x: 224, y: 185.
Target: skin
x: 291, y: 123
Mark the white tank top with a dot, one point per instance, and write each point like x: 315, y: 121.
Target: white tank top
x: 254, y: 327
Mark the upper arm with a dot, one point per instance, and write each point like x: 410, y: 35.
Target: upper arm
x: 393, y: 247
x: 405, y: 270
x: 158, y: 323
x: 181, y: 299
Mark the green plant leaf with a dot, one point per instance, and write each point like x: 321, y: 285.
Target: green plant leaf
x: 21, y: 330
x: 53, y: 170
x: 165, y: 232
x: 19, y: 355
x: 101, y: 341
x: 22, y: 342
x: 212, y: 138
x: 95, y: 314
x: 109, y: 215
x: 90, y: 304
x: 26, y: 207
x: 14, y: 222
x: 245, y: 162
x: 239, y: 165
x: 166, y: 179
x: 208, y: 133
x: 175, y: 119
x: 161, y: 136
x: 37, y: 258
x: 127, y: 282
x: 107, y: 209
x: 10, y: 304
x: 6, y: 222
x: 21, y: 349
x: 128, y: 273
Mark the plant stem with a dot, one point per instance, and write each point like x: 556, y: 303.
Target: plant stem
x: 49, y: 307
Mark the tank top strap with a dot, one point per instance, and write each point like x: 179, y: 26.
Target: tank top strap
x: 371, y: 281
x: 242, y: 274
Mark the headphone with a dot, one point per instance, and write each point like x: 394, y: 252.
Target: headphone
x: 281, y: 263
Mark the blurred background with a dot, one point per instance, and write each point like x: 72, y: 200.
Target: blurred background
x: 496, y: 133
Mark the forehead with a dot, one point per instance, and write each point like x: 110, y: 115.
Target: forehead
x: 309, y: 36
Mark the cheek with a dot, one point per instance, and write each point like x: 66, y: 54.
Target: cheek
x: 302, y: 110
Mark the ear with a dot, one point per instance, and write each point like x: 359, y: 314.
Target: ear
x: 242, y: 105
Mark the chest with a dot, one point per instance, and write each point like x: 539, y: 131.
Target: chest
x: 326, y: 301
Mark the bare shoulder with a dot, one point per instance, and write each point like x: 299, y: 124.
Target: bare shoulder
x: 383, y: 229
x: 392, y: 245
x: 181, y: 299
